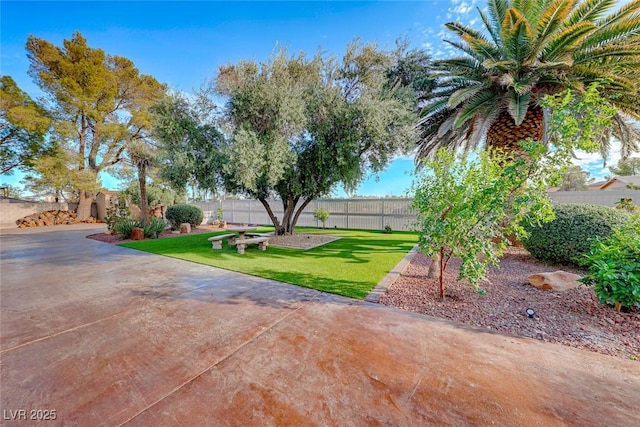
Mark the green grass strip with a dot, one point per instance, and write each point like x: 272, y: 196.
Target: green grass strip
x: 351, y: 266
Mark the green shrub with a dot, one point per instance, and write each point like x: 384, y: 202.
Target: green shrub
x: 183, y: 213
x: 154, y: 227
x: 322, y: 215
x: 124, y: 227
x: 568, y: 237
x: 116, y: 212
x: 614, y: 266
x: 387, y: 229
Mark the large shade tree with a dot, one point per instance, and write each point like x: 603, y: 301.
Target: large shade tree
x: 192, y: 151
x: 491, y: 94
x: 300, y: 126
x: 100, y: 103
x: 23, y: 127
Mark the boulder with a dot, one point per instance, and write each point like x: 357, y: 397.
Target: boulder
x: 558, y: 280
x: 185, y: 228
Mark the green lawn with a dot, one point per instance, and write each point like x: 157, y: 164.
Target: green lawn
x: 351, y: 266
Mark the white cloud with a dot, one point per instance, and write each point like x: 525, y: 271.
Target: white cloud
x: 595, y: 164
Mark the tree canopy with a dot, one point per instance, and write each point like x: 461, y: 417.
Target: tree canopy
x: 192, y: 150
x: 299, y: 126
x: 23, y: 126
x: 627, y: 167
x: 575, y: 179
x: 99, y: 103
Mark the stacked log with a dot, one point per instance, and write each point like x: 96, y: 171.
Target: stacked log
x: 53, y: 217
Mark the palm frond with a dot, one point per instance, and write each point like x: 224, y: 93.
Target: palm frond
x: 562, y: 46
x: 589, y: 10
x: 517, y: 106
x: 551, y: 20
x: 517, y: 35
x: 464, y: 94
x: 608, y: 52
x: 483, y: 99
x: 482, y: 47
x: 466, y: 49
x: 497, y: 11
x: 491, y: 29
x: 615, y: 32
x: 627, y: 10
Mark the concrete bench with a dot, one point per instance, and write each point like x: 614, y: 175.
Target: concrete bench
x: 241, y: 244
x: 254, y: 234
x: 216, y: 241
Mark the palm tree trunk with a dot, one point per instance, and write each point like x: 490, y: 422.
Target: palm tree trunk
x: 504, y: 133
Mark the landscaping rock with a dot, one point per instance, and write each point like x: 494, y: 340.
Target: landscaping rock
x: 558, y: 280
x: 185, y: 228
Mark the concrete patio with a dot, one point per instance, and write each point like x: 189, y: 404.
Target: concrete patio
x: 108, y: 336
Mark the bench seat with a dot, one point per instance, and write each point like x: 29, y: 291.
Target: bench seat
x: 241, y: 244
x: 254, y: 234
x: 216, y: 241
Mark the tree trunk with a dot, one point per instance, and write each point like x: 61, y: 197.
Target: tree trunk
x: 142, y: 182
x: 434, y: 268
x: 274, y: 219
x: 290, y: 216
x: 85, y: 200
x: 442, y: 268
x: 504, y: 133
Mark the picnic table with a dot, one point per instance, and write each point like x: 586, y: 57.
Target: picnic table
x: 241, y: 241
x: 241, y: 230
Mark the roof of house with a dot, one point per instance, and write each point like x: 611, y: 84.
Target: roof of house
x: 633, y: 180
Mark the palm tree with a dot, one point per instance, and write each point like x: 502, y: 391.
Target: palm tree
x: 491, y: 94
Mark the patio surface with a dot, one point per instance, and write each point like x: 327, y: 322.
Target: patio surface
x: 105, y: 335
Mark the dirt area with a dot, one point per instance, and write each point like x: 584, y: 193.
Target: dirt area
x: 574, y: 318
x: 301, y: 241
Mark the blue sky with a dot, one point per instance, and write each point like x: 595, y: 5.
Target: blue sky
x: 183, y: 43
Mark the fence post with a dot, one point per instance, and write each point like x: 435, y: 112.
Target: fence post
x: 382, y: 225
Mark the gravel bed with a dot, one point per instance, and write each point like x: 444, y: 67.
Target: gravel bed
x: 574, y: 318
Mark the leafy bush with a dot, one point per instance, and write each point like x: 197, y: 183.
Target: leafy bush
x: 183, y: 213
x: 124, y: 227
x: 387, y: 229
x: 626, y: 204
x: 322, y: 215
x: 155, y: 226
x: 568, y: 237
x: 614, y: 266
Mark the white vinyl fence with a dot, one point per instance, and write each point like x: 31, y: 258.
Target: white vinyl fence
x: 369, y: 214
x: 605, y: 198
x: 373, y: 214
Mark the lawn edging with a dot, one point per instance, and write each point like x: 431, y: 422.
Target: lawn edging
x: 388, y: 280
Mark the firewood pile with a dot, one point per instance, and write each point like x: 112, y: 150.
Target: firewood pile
x: 53, y: 217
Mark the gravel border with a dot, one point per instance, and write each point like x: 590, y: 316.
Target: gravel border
x: 574, y: 318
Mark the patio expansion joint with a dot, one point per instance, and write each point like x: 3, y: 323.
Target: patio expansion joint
x: 221, y: 360
x: 84, y: 325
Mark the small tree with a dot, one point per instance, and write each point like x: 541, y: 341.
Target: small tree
x: 468, y: 208
x: 575, y: 179
x: 322, y: 215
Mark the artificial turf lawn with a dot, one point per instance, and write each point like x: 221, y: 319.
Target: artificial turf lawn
x: 351, y: 266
